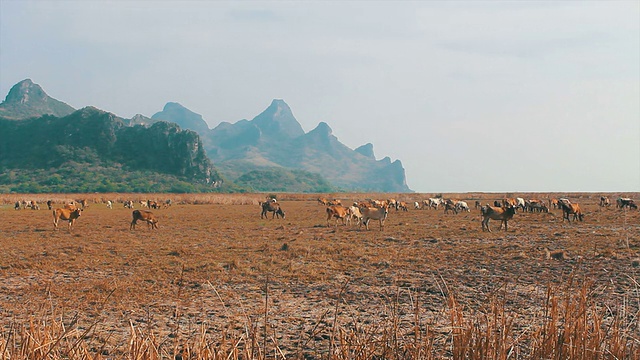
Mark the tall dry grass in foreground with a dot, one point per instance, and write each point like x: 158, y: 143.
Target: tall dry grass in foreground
x: 570, y: 326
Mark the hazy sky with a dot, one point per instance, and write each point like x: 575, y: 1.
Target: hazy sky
x: 470, y: 96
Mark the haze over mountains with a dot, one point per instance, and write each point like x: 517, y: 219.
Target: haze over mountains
x: 271, y: 145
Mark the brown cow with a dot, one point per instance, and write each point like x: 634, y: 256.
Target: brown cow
x: 338, y: 212
x: 373, y: 213
x: 571, y: 209
x: 144, y: 215
x: 66, y: 214
x: 503, y: 214
x: 271, y: 206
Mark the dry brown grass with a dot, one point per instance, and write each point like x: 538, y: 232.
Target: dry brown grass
x: 216, y: 281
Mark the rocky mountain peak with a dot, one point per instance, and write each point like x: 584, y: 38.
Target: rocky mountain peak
x: 26, y: 92
x: 322, y: 129
x: 277, y: 121
x: 366, y: 150
x: 185, y: 118
x: 27, y: 99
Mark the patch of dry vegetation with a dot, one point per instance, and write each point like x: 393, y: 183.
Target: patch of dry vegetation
x: 216, y: 281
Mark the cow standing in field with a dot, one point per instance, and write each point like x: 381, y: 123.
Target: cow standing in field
x: 504, y: 214
x: 109, y: 204
x: 604, y: 201
x: 462, y: 206
x: 49, y: 204
x: 338, y: 212
x: 144, y: 215
x: 271, y: 206
x: 626, y: 202
x: 353, y: 215
x: 369, y: 213
x: 83, y: 203
x: 435, y: 202
x: 571, y: 209
x: 66, y: 214
x: 17, y: 205
x: 450, y: 206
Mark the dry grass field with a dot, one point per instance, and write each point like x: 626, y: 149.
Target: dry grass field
x: 217, y: 281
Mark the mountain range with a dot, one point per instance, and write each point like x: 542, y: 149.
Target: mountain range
x: 254, y: 154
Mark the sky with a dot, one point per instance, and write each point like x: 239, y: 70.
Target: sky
x: 492, y: 96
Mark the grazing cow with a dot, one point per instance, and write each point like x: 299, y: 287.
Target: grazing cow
x: 83, y: 203
x: 462, y: 206
x: 449, y: 206
x: 553, y: 203
x: 152, y: 204
x: 604, y: 201
x: 109, y: 204
x: 416, y: 205
x: 49, y: 204
x: 435, y: 202
x: 353, y: 215
x: 128, y: 204
x: 271, y: 206
x: 323, y: 201
x: 626, y: 202
x: 401, y: 205
x: 34, y: 205
x: 167, y: 203
x: 562, y: 201
x: 144, y: 215
x: 338, y: 212
x: 66, y: 214
x: 535, y: 205
x: 17, y: 205
x: 571, y: 209
x: 504, y: 214
x: 369, y: 213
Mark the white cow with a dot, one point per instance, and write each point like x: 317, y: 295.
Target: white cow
x: 353, y: 215
x: 462, y: 206
x: 435, y: 202
x: 109, y: 204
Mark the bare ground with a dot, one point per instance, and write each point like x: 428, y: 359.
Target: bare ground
x: 220, y: 269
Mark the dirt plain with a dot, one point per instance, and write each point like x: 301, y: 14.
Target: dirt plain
x: 221, y: 269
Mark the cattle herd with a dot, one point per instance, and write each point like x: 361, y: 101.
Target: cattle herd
x: 503, y: 210
x: 359, y: 213
x: 72, y: 209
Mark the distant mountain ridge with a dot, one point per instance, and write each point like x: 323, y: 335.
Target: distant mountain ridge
x: 274, y: 138
x: 272, y: 144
